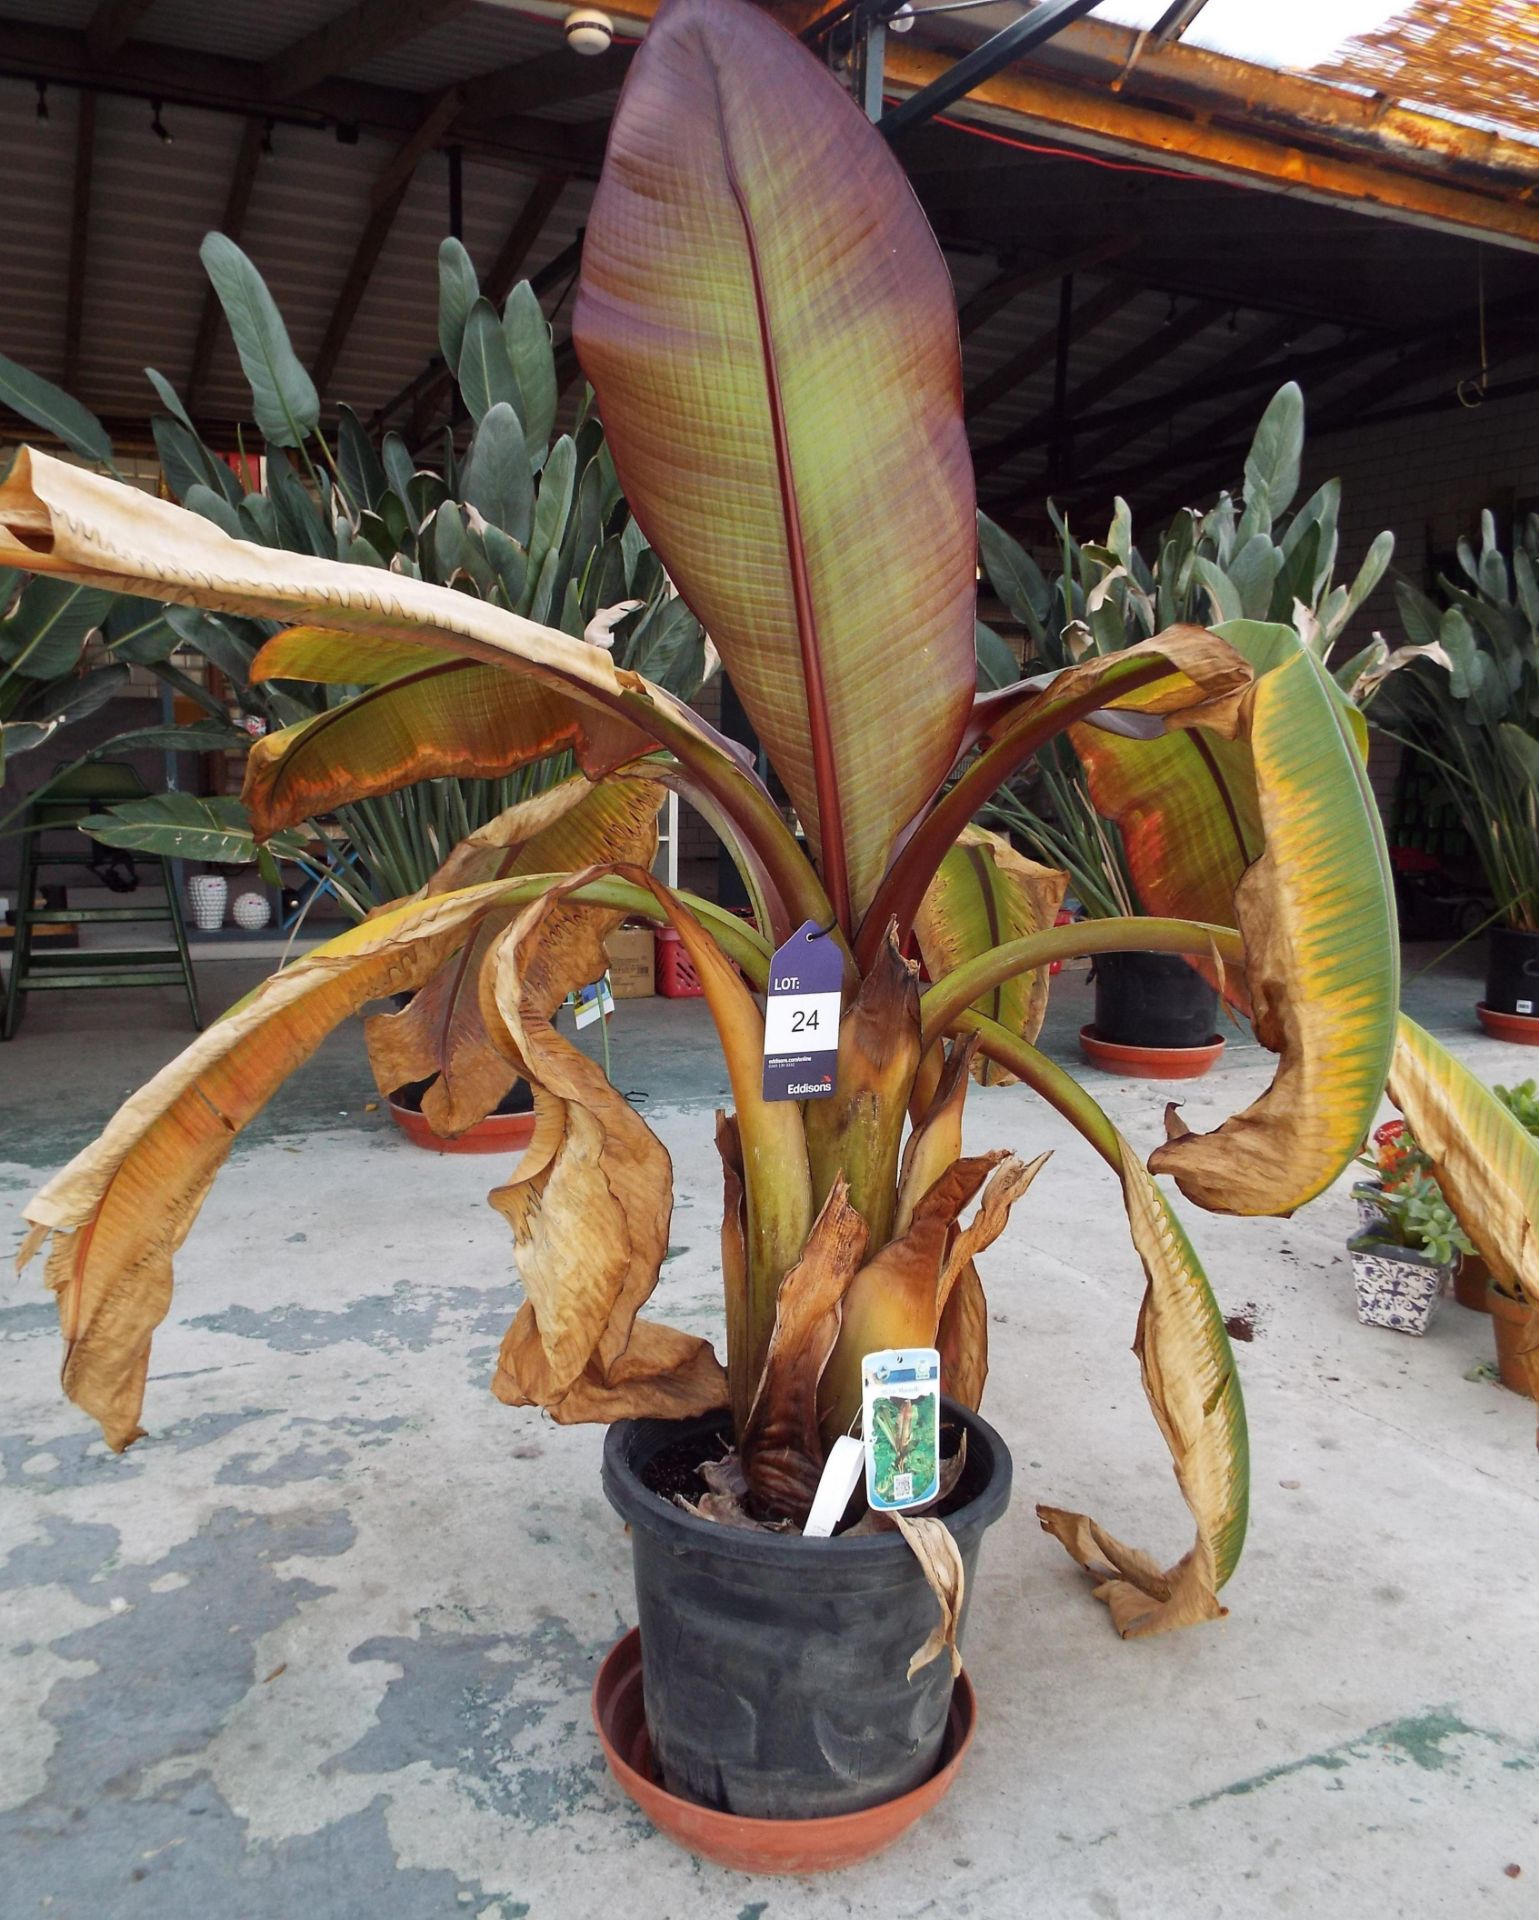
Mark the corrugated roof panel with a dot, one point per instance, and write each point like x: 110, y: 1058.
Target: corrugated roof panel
x: 478, y: 41
x: 238, y: 33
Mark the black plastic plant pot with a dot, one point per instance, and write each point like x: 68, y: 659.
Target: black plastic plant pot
x: 1512, y: 971
x: 1153, y: 1000
x: 775, y: 1668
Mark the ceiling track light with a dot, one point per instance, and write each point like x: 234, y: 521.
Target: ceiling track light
x: 42, y: 99
x: 267, y: 138
x: 158, y: 126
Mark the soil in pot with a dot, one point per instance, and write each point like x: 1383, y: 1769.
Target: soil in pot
x: 776, y: 1667
x: 1516, y: 1325
x: 1512, y: 972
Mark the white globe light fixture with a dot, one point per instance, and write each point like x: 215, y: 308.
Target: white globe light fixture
x: 589, y: 31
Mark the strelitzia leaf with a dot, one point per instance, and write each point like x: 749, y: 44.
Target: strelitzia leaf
x: 458, y: 292
x: 485, y: 372
x: 534, y: 366
x: 496, y: 480
x: 283, y: 395
x: 52, y: 409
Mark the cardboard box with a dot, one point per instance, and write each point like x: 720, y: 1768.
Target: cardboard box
x: 631, y: 963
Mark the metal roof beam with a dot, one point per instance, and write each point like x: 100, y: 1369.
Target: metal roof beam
x: 79, y: 237
x: 112, y: 23
x: 1085, y: 318
x: 1176, y: 331
x: 1014, y: 280
x: 1014, y: 42
x: 547, y: 79
x: 184, y: 77
x: 353, y: 38
x: 385, y: 199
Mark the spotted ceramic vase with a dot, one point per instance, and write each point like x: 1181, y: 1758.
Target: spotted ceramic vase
x: 1396, y: 1286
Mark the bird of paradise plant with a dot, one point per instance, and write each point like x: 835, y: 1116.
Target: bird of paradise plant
x: 770, y: 331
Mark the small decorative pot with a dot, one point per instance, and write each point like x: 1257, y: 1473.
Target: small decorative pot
x: 1397, y: 1287
x: 1369, y: 1195
x: 252, y: 911
x: 207, y: 894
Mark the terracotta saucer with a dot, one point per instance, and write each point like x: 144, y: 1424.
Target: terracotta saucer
x: 757, y: 1846
x: 1520, y: 1028
x: 497, y: 1133
x: 1149, y: 1063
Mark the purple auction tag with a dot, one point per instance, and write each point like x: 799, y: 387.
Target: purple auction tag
x: 801, y: 1016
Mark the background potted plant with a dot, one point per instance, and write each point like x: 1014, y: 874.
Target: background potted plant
x: 1402, y: 1264
x: 736, y: 161
x: 521, y: 517
x: 1251, y: 558
x: 1464, y: 694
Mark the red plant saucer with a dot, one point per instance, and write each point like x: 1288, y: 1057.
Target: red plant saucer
x: 1149, y: 1063
x: 497, y: 1133
x: 757, y: 1846
x: 1520, y: 1028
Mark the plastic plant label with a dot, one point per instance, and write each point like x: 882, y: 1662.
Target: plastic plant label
x: 593, y: 1002
x: 841, y: 1472
x: 801, y: 1017
x: 900, y: 1406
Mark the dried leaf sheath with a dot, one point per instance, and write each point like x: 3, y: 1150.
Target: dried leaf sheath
x: 589, y: 1204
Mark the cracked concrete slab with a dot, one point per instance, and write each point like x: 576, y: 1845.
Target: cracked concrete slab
x: 322, y: 1643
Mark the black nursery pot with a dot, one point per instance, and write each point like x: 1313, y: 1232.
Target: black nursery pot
x: 1512, y: 971
x: 1153, y: 1000
x: 775, y: 1668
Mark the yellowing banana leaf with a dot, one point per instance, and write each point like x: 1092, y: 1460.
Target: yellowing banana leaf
x: 781, y: 1449
x: 453, y: 717
x: 1315, y: 910
x: 771, y: 332
x: 1189, y: 1378
x: 1181, y: 669
x: 121, y: 1208
x: 58, y: 519
x: 441, y: 1035
x: 589, y: 1203
x: 987, y: 893
x: 1485, y: 1160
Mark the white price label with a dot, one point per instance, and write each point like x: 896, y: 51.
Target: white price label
x: 801, y: 1022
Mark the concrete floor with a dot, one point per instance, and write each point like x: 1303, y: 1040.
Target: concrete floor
x: 321, y: 1645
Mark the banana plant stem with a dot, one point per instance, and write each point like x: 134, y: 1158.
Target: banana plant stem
x: 906, y: 880
x: 941, y: 1006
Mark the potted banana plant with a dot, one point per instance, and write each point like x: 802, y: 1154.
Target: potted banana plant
x: 771, y: 334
